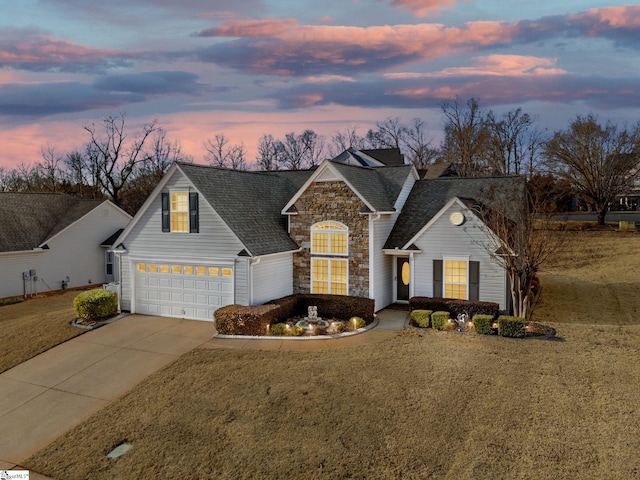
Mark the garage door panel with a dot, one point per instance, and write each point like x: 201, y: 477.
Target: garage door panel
x: 184, y: 291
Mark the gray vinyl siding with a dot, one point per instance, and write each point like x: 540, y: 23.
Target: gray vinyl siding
x: 125, y: 283
x: 74, y: 252
x: 214, y: 240
x: 383, y: 264
x: 241, y: 278
x: 272, y: 278
x: 443, y: 239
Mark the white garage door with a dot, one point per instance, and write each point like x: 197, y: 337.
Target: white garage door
x: 182, y: 290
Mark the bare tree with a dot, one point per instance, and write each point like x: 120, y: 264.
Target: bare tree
x: 314, y: 147
x: 595, y: 159
x: 390, y: 133
x: 221, y: 154
x: 510, y: 141
x: 420, y: 152
x: 114, y: 157
x: 521, y: 241
x: 49, y: 170
x: 344, y: 139
x: 466, y: 137
x: 269, y: 153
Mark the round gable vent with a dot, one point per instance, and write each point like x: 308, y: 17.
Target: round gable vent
x: 456, y: 218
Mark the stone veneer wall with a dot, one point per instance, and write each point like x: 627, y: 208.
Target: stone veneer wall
x: 324, y: 201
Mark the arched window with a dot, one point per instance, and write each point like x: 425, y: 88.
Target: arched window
x: 329, y: 238
x: 329, y: 272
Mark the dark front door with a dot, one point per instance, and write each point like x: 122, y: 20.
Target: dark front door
x: 403, y: 275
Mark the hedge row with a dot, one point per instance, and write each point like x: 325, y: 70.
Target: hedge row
x: 254, y: 320
x: 455, y: 307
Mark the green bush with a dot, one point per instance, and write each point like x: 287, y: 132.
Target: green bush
x: 421, y: 318
x: 357, y: 322
x: 10, y: 301
x: 439, y: 320
x: 295, y: 331
x: 279, y: 329
x: 96, y: 304
x: 511, y: 326
x: 483, y: 324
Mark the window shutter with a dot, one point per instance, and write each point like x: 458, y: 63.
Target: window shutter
x: 474, y: 281
x: 165, y: 212
x: 194, y: 226
x: 437, y: 278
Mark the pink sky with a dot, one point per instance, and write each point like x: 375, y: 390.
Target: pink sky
x: 252, y: 67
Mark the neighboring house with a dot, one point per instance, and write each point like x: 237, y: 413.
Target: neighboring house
x: 208, y: 237
x: 54, y: 241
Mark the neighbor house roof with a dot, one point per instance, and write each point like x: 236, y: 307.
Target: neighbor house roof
x: 250, y: 203
x: 377, y: 157
x: 29, y: 219
x: 428, y: 197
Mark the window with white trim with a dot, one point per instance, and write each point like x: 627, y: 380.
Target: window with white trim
x: 456, y: 278
x: 329, y: 238
x: 329, y: 273
x: 179, y: 211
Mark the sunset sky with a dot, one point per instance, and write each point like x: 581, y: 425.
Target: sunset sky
x: 244, y: 68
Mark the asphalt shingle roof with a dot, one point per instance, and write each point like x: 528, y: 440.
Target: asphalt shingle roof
x: 429, y: 196
x: 27, y: 220
x: 250, y: 203
x: 380, y: 186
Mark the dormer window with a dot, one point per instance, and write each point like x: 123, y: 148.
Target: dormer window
x: 180, y: 212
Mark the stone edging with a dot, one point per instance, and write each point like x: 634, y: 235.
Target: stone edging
x: 302, y: 337
x: 75, y: 323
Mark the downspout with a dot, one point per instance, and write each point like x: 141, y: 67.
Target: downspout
x: 411, y: 275
x: 372, y: 256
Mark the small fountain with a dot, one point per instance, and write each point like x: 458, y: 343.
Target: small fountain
x: 461, y: 320
x: 314, y: 325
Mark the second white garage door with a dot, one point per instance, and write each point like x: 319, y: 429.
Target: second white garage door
x: 182, y: 290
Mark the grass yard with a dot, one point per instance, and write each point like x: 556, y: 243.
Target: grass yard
x: 32, y: 327
x: 422, y: 404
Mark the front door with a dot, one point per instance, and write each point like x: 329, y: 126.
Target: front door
x: 403, y: 276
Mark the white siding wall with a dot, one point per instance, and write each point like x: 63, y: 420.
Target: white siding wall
x: 382, y: 265
x: 272, y: 278
x: 125, y: 283
x: 215, y: 241
x: 444, y: 239
x: 75, y: 253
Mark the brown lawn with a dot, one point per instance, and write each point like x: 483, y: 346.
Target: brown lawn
x: 422, y: 404
x: 34, y: 326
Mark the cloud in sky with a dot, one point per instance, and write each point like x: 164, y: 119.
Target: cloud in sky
x: 172, y: 60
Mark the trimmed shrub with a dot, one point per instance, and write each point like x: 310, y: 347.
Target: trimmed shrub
x: 242, y: 320
x: 509, y: 326
x: 440, y: 319
x: 96, y: 304
x: 357, y: 322
x: 295, y: 331
x: 454, y: 306
x: 278, y: 329
x: 483, y: 324
x: 421, y: 318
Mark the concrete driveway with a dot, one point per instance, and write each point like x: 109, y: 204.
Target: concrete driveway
x: 47, y: 395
